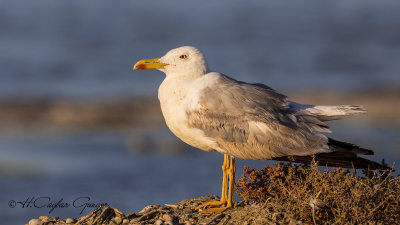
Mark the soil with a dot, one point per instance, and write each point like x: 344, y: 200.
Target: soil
x: 177, y: 214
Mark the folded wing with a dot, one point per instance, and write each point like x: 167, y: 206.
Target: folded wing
x: 253, y: 121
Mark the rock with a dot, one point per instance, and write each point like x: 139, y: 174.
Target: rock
x: 167, y: 218
x: 69, y: 220
x: 158, y: 222
x: 125, y: 222
x: 34, y: 222
x: 188, y: 210
x: 132, y: 215
x: 171, y: 205
x: 117, y: 220
x: 134, y: 223
x: 150, y: 207
x: 186, y: 217
x: 44, y: 219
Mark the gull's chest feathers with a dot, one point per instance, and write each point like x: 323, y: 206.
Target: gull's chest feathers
x: 177, y: 96
x: 172, y: 95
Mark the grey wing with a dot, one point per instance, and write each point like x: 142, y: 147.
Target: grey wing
x: 253, y: 121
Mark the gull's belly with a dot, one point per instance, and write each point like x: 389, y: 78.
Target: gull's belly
x: 176, y: 97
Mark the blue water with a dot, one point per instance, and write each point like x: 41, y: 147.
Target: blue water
x: 100, y: 166
x: 86, y: 49
x: 76, y: 49
x: 107, y: 167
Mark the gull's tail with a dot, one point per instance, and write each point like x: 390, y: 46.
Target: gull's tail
x: 327, y: 112
x: 343, y: 155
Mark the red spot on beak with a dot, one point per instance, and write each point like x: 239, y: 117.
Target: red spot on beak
x: 141, y: 67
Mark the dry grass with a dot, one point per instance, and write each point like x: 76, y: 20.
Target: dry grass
x: 304, y: 193
x: 282, y: 194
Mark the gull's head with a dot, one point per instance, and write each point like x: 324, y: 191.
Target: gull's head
x: 182, y: 61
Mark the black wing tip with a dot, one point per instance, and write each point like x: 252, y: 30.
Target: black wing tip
x: 345, y: 146
x: 367, y: 151
x: 337, y: 159
x: 343, y: 155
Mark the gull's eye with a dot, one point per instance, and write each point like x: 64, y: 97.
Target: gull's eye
x: 183, y: 56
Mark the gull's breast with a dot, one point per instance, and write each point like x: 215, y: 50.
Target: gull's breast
x: 176, y: 99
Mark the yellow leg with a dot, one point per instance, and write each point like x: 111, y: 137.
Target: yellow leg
x: 232, y: 171
x: 229, y: 169
x: 224, y: 196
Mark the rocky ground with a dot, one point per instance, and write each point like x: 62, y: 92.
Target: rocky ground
x: 279, y: 194
x: 180, y: 213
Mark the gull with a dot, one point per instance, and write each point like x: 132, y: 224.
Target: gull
x: 214, y: 112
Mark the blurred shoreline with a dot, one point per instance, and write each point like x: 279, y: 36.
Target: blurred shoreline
x: 16, y: 114
x: 19, y: 114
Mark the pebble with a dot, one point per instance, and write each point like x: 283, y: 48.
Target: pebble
x: 158, y: 222
x: 125, y: 221
x: 117, y: 220
x: 167, y: 218
x: 44, y: 219
x: 188, y: 210
x: 134, y: 223
x: 172, y: 206
x: 34, y: 222
x: 149, y: 207
x: 186, y: 217
x: 69, y: 220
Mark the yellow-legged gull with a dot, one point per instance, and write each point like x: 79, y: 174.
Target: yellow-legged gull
x: 214, y: 112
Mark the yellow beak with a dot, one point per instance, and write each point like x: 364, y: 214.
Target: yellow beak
x: 145, y: 64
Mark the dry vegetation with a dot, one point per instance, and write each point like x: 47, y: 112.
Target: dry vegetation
x: 338, y: 196
x: 282, y: 194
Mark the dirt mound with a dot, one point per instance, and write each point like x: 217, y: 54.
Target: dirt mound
x: 281, y: 194
x: 180, y: 213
